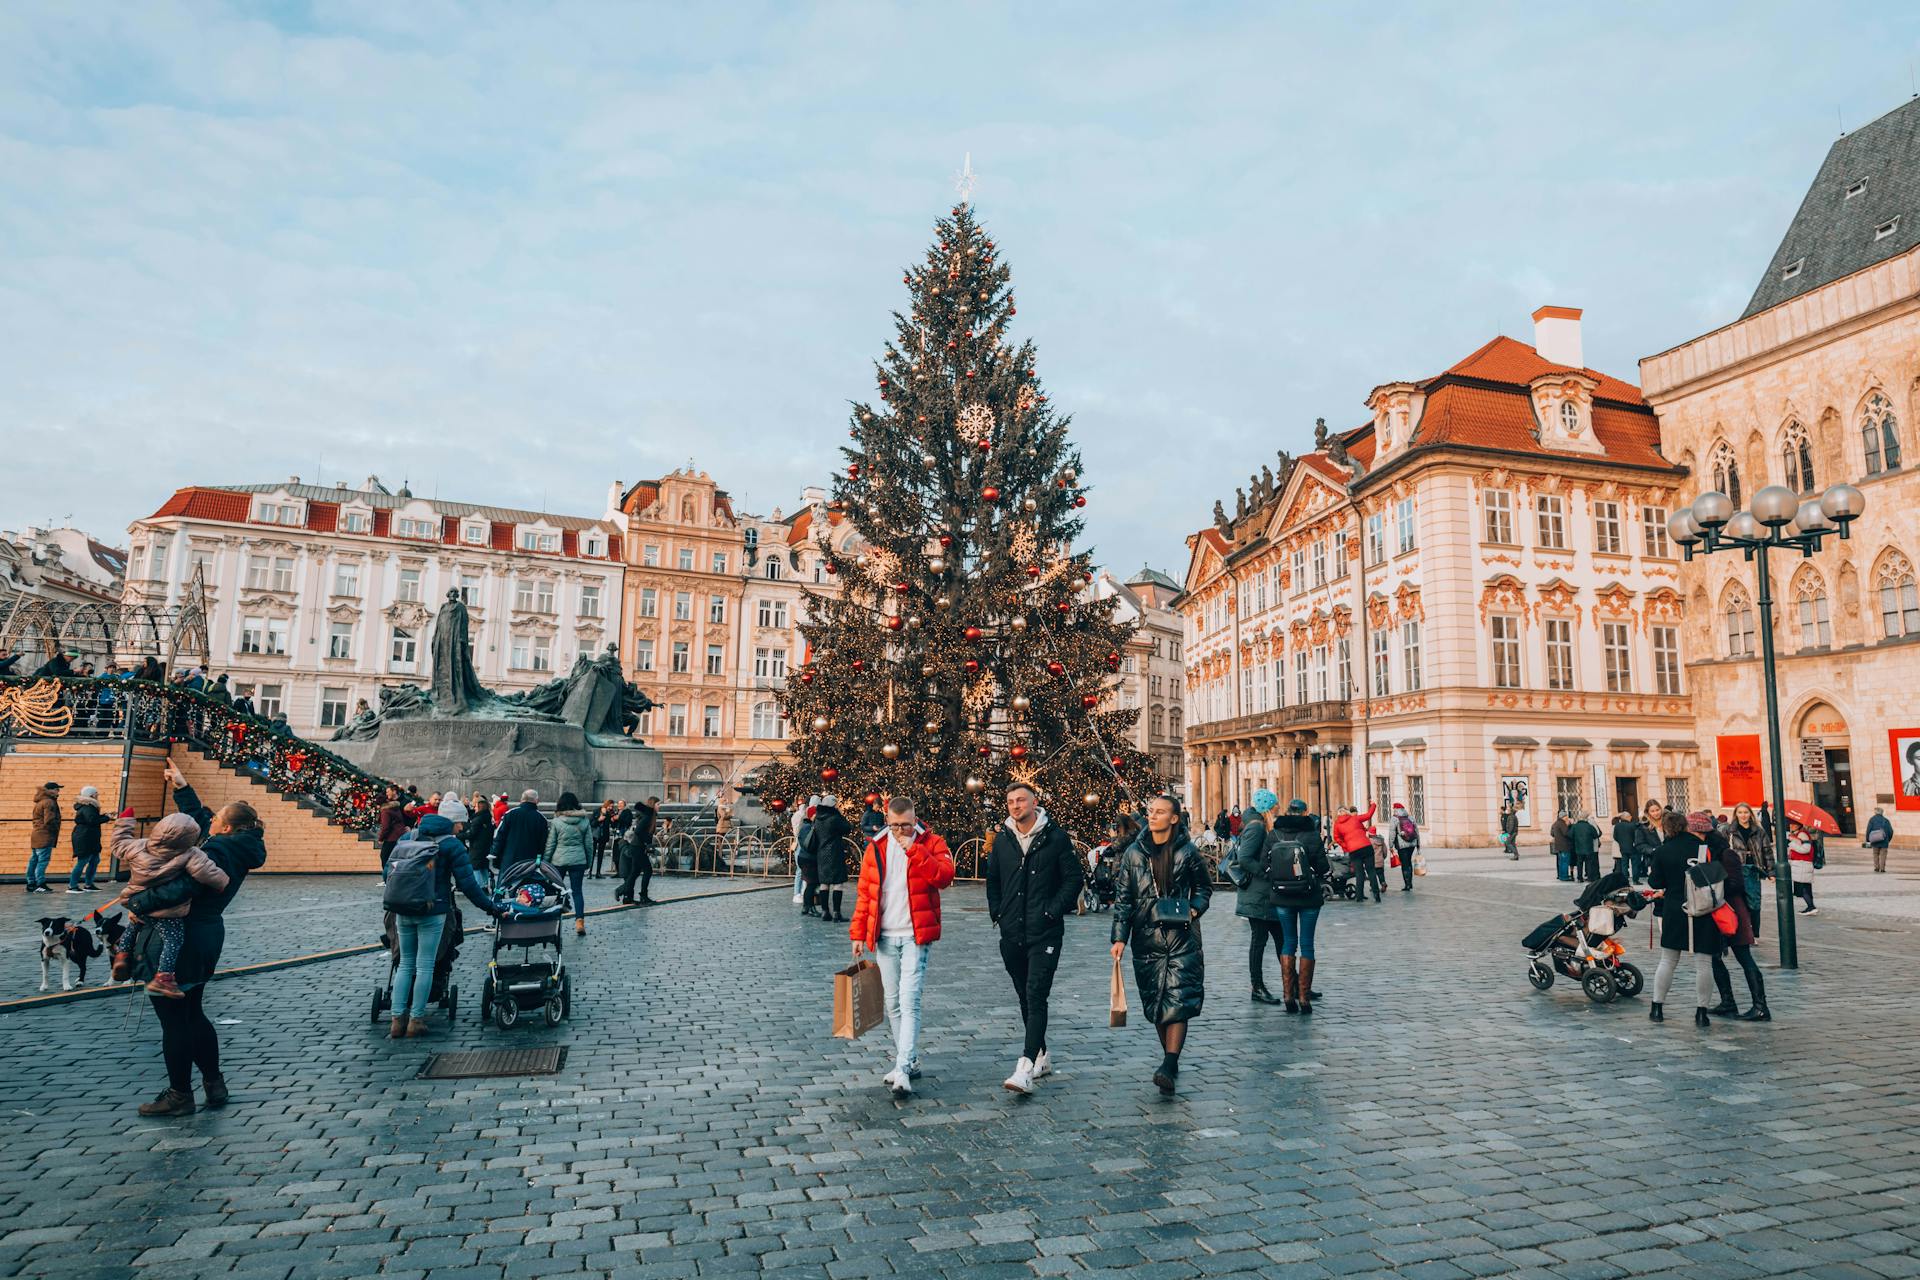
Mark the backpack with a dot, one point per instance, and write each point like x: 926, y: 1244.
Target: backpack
x: 1706, y: 885
x: 413, y: 875
x: 1405, y: 834
x: 1283, y: 862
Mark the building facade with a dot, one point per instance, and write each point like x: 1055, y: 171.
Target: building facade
x: 1152, y: 677
x: 61, y: 565
x: 1468, y: 599
x: 1817, y: 383
x: 318, y: 596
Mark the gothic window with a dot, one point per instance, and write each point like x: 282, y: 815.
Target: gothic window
x: 1796, y: 455
x: 1810, y: 602
x: 1726, y: 472
x: 1739, y: 614
x: 1880, y: 435
x: 1899, y: 601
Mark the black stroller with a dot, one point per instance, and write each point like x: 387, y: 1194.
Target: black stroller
x: 445, y: 992
x: 1580, y: 944
x: 537, y: 905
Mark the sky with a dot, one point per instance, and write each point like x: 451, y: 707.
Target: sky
x: 512, y: 253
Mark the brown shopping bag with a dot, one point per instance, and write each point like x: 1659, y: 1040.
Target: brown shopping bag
x: 1117, y: 999
x: 859, y: 1001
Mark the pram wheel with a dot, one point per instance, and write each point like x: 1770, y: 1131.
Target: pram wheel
x: 486, y: 998
x: 1628, y: 980
x: 453, y: 1002
x: 379, y: 998
x: 1539, y: 975
x: 506, y: 1012
x: 1598, y: 984
x: 566, y: 995
x: 554, y: 1012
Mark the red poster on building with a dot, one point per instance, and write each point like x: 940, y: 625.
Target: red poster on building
x: 1742, y: 771
x: 1905, y: 746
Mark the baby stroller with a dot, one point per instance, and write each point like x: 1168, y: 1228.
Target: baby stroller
x: 1340, y: 880
x: 1581, y: 945
x: 537, y: 904
x: 445, y: 992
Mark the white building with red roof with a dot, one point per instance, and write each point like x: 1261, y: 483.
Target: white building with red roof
x: 1468, y: 598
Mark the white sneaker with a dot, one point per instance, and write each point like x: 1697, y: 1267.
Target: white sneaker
x: 798, y: 898
x: 898, y: 1082
x: 1021, y: 1081
x: 1042, y: 1065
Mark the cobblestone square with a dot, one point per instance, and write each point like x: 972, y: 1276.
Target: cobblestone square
x: 1435, y: 1117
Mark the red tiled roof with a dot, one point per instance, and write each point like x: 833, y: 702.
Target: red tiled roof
x: 323, y: 517
x: 569, y: 543
x: 502, y: 536
x: 207, y: 504
x: 382, y: 522
x: 450, y: 530
x: 1319, y: 462
x: 640, y: 497
x: 1504, y: 420
x: 1507, y: 360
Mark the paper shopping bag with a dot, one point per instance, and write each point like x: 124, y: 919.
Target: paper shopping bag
x: 859, y: 1001
x: 1117, y: 999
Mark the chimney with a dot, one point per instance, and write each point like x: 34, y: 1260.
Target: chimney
x: 1556, y: 336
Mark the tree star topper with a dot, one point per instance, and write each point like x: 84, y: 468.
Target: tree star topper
x: 964, y: 182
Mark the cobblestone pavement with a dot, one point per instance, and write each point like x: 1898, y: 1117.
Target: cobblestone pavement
x: 1435, y: 1118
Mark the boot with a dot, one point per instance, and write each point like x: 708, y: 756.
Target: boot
x: 1263, y: 996
x: 1305, y: 983
x: 1726, y: 1008
x: 579, y: 928
x: 1758, y: 1013
x: 122, y: 965
x: 416, y: 1028
x: 1656, y: 1013
x: 1289, y: 984
x: 170, y: 1102
x: 398, y: 1030
x: 216, y: 1087
x: 1700, y: 1018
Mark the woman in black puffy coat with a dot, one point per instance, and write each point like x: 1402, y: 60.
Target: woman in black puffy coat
x: 1169, y: 965
x: 830, y: 849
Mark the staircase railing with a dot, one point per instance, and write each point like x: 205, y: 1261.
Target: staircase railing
x: 143, y: 713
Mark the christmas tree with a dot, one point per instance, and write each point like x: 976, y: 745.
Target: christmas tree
x: 963, y: 651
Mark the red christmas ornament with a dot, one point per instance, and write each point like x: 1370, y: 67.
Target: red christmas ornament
x: 972, y: 633
x: 1017, y: 752
x: 872, y: 797
x: 901, y: 587
x: 859, y: 664
x: 806, y: 677
x: 832, y: 567
x: 829, y: 773
x: 1119, y: 762
x: 972, y: 665
x: 1113, y: 661
x: 1056, y: 669
x: 986, y: 446
x: 1090, y: 700
x: 894, y: 623
x: 1064, y: 607
x: 985, y: 752
x: 946, y: 541
x: 990, y: 493
x: 777, y: 805
x: 296, y: 761
x: 952, y: 345
x: 853, y: 471
x: 1080, y: 501
x: 1033, y: 571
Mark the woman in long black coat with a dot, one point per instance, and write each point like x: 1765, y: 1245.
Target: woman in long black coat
x: 830, y: 832
x: 1680, y: 932
x: 1169, y: 966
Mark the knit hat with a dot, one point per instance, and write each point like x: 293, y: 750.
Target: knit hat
x: 452, y: 810
x: 1264, y: 801
x: 1699, y: 822
x: 1296, y: 805
x: 176, y: 831
x: 89, y: 793
x: 830, y: 802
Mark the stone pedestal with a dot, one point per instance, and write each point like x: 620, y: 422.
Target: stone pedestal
x: 508, y: 756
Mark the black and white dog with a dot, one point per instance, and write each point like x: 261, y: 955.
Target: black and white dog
x: 74, y: 944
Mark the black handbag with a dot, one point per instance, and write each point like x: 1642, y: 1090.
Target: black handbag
x: 1173, y: 911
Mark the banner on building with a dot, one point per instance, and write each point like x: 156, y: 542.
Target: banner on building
x: 1905, y: 745
x: 1742, y: 772
x: 1514, y: 791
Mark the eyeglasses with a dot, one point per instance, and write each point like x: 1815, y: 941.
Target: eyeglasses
x: 900, y: 826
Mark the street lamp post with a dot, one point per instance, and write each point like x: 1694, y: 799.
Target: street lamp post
x: 1778, y: 520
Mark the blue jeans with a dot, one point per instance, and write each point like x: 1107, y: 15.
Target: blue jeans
x: 413, y: 977
x: 1562, y: 866
x: 1296, y: 931
x: 84, y: 870
x: 903, y: 970
x: 37, y: 862
x: 577, y: 881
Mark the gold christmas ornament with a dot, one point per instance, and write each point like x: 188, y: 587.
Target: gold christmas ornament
x: 1021, y: 702
x: 821, y: 724
x: 1019, y: 622
x: 891, y: 750
x: 913, y: 620
x: 1091, y: 799
x: 943, y: 602
x: 975, y: 785
x: 937, y: 565
x: 932, y: 726
x: 926, y: 669
x: 1029, y: 506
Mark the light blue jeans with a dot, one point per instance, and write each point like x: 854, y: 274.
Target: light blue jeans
x: 903, y: 970
x: 413, y: 978
x: 37, y: 861
x: 1296, y: 931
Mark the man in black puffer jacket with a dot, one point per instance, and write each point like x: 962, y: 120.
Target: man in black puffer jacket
x: 1033, y: 881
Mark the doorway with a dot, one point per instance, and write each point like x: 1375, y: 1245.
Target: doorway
x: 1835, y: 795
x: 1626, y: 796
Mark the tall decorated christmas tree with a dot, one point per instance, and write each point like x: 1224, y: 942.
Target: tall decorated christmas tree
x: 964, y: 650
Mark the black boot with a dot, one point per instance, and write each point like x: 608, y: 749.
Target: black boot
x: 1757, y: 1014
x: 1726, y: 1008
x: 1263, y: 996
x: 1168, y: 1073
x: 1656, y: 1013
x: 1700, y: 1018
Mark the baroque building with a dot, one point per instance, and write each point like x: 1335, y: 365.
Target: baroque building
x: 1152, y: 678
x: 1817, y: 382
x: 319, y: 595
x: 1468, y: 598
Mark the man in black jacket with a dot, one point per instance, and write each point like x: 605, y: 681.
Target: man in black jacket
x: 522, y: 834
x: 1033, y: 881
x: 636, y: 853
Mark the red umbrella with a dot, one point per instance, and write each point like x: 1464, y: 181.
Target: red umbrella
x: 1812, y: 817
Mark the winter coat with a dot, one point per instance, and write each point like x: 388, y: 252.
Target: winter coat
x: 1585, y: 839
x: 218, y: 692
x: 1678, y: 930
x: 393, y: 820
x: 872, y: 823
x: 1751, y: 845
x: 454, y: 868
x: 1743, y: 909
x: 570, y: 839
x: 87, y: 821
x: 829, y: 837
x: 803, y: 848
x: 46, y: 820
x: 1350, y: 830
x: 1510, y: 824
x: 1262, y: 899
x: 1622, y: 833
x: 1169, y: 964
x: 156, y: 861
x: 929, y: 870
x: 1645, y: 840
x: 236, y: 853
x: 1030, y: 895
x: 479, y: 835
x: 1561, y: 834
x: 1879, y: 830
x: 521, y: 836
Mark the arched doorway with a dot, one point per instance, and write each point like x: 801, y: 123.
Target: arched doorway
x: 1826, y: 761
x: 703, y: 784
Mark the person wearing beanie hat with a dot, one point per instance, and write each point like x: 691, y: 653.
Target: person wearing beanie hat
x: 1244, y: 864
x: 87, y: 821
x: 452, y: 809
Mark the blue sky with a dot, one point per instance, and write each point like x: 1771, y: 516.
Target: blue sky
x: 516, y: 251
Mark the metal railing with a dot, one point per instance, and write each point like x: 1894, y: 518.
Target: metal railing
x: 143, y: 713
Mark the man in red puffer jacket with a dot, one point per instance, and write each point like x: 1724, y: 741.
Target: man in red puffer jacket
x: 1350, y: 829
x: 896, y: 917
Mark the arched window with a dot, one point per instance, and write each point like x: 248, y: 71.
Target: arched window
x: 1739, y: 614
x: 1796, y: 456
x: 1810, y: 596
x: 767, y: 722
x: 1157, y: 723
x: 1726, y: 472
x: 1570, y: 417
x: 773, y: 568
x: 1899, y: 601
x: 1173, y: 722
x: 1879, y: 435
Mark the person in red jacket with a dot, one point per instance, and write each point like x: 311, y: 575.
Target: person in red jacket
x: 896, y: 917
x: 1350, y: 829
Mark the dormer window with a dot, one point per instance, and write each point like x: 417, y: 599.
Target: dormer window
x: 474, y: 535
x: 1856, y: 187
x: 1887, y: 228
x: 1792, y: 269
x: 409, y: 528
x: 1570, y: 417
x: 533, y: 540
x: 276, y: 513
x: 354, y: 522
x: 592, y: 546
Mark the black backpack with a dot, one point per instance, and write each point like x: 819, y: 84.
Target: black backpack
x: 413, y: 875
x: 1283, y: 861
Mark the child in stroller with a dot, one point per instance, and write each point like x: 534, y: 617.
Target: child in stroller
x: 537, y: 904
x: 1581, y: 945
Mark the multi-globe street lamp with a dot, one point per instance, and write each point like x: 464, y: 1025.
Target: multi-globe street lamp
x: 1779, y: 519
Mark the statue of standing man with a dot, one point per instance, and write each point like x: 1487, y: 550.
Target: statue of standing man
x: 456, y: 686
